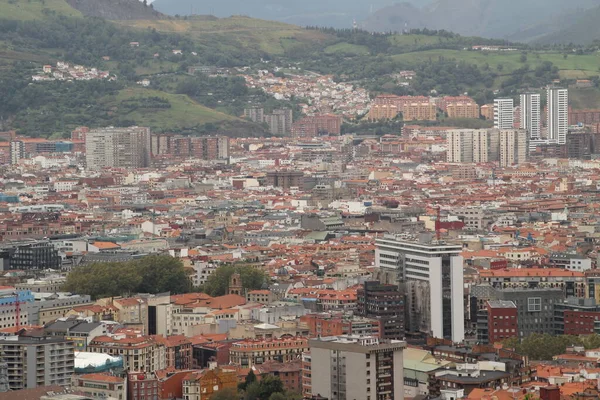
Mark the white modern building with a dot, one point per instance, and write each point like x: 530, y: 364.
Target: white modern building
x: 351, y: 367
x: 558, y: 115
x: 504, y: 113
x: 432, y: 275
x: 530, y: 115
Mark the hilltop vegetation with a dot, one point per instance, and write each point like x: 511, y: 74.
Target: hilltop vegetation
x: 36, y: 32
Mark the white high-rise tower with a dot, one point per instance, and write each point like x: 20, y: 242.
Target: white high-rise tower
x: 558, y: 115
x: 504, y: 114
x: 530, y: 115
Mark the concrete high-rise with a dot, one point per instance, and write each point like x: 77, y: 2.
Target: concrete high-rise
x: 17, y: 151
x: 356, y: 367
x: 530, y: 115
x: 468, y: 146
x: 558, y: 115
x: 118, y: 148
x: 514, y: 147
x: 37, y: 361
x: 504, y: 113
x: 431, y: 274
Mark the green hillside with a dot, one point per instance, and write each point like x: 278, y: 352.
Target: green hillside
x: 136, y: 104
x: 35, y: 9
x: 573, y: 66
x: 238, y: 32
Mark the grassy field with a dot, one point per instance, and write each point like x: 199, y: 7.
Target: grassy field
x: 267, y: 36
x: 35, y: 9
x: 574, y: 66
x: 184, y: 112
x: 347, y: 48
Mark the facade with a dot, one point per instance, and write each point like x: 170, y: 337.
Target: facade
x: 255, y: 114
x: 318, y: 125
x: 468, y: 109
x: 37, y: 361
x: 118, y: 148
x: 140, y: 353
x: 250, y: 352
x: 469, y: 146
x: 285, y: 179
x: 279, y: 121
x: 32, y: 255
x: 530, y: 115
x: 431, y: 274
x: 142, y: 385
x: 17, y: 151
x: 100, y: 386
x: 514, y: 147
x: 384, y: 303
x: 504, y: 114
x: 558, y: 115
x: 354, y: 367
x: 202, y: 385
x: 499, y: 322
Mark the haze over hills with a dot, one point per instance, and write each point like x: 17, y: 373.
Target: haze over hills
x: 516, y: 19
x: 330, y: 13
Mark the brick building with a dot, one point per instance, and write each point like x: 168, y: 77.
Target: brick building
x: 319, y: 125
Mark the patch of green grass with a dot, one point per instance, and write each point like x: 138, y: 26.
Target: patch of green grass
x: 35, y: 9
x: 347, y: 48
x: 585, y: 65
x: 183, y: 113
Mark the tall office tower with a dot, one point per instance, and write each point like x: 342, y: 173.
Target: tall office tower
x: 356, y: 367
x: 514, y: 147
x: 17, y: 151
x: 118, y: 147
x: 504, y: 114
x: 384, y: 303
x: 431, y: 273
x: 558, y: 115
x: 530, y: 115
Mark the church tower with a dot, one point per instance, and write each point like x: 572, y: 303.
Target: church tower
x: 235, y: 285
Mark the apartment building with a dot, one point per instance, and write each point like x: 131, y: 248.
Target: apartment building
x: 100, y: 386
x: 385, y: 303
x: 202, y: 385
x: 37, y: 361
x: 557, y: 115
x: 138, y: 352
x: 118, y: 148
x: 250, y: 352
x: 514, y: 147
x: 530, y: 115
x: 504, y: 114
x: 355, y: 367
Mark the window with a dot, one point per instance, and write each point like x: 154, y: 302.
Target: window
x: 534, y: 304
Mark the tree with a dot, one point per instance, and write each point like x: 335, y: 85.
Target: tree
x: 278, y: 396
x: 523, y: 58
x: 225, y: 394
x: 218, y: 282
x: 152, y: 274
x: 250, y: 379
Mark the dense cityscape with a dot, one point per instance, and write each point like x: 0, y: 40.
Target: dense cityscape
x: 186, y: 213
